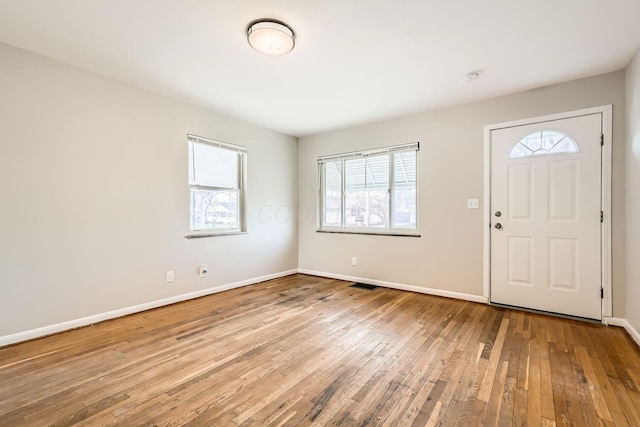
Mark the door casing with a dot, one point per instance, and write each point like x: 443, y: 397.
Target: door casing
x: 605, y: 229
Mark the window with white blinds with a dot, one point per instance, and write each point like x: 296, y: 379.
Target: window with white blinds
x: 369, y: 191
x: 216, y: 184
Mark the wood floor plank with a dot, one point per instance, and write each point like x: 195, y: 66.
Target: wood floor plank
x: 496, y: 397
x: 304, y: 350
x: 492, y: 368
x: 578, y: 387
x: 594, y: 386
x: 533, y: 389
x: 547, y: 410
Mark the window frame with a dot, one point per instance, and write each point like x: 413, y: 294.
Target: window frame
x: 343, y: 228
x: 241, y: 187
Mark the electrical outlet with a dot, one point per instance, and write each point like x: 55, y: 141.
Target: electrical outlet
x: 170, y: 276
x: 354, y: 260
x: 473, y: 203
x: 203, y: 271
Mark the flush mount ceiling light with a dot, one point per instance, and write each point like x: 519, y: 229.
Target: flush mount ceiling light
x: 270, y: 37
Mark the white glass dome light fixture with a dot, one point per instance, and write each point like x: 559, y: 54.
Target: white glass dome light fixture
x: 271, y: 37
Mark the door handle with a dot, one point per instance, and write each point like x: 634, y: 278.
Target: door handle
x: 498, y: 226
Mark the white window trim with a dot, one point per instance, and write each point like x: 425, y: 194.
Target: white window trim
x: 390, y: 231
x: 242, y: 190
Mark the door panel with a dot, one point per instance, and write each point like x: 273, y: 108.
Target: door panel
x: 563, y: 264
x: 545, y: 254
x: 520, y: 253
x: 563, y: 190
x: 520, y: 192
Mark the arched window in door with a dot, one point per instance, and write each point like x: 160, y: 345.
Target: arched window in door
x: 544, y: 142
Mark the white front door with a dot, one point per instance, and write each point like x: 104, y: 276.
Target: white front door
x: 545, y: 216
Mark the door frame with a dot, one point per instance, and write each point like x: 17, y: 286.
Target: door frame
x: 605, y: 229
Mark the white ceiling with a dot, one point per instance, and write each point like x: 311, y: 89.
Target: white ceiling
x: 355, y: 61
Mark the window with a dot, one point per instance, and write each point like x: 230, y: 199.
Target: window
x: 371, y: 191
x: 216, y: 184
x: 544, y: 142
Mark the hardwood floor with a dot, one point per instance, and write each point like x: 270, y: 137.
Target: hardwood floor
x: 304, y: 350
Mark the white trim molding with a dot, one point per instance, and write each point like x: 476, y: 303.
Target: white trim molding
x: 624, y: 323
x: 607, y: 162
x: 400, y: 286
x: 90, y: 320
x: 606, y: 112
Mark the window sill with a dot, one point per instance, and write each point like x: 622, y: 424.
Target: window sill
x: 372, y: 233
x: 223, y: 233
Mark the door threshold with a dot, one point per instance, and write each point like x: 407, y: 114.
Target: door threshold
x: 547, y: 313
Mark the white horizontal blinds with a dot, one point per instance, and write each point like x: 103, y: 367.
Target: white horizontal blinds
x: 404, y: 194
x: 367, y: 172
x: 333, y: 175
x: 214, y: 164
x: 332, y: 194
x: 214, y: 143
x: 414, y: 146
x: 404, y: 169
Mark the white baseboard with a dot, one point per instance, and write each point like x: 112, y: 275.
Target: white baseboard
x: 616, y: 321
x: 401, y: 286
x: 89, y: 320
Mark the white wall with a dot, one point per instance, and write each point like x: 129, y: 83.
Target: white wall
x: 448, y: 256
x: 633, y: 192
x: 94, y: 196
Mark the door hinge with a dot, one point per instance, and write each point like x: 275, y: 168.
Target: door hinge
x: 601, y: 139
x: 601, y: 216
x: 601, y: 293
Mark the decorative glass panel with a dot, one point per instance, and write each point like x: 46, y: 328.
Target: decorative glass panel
x: 544, y: 142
